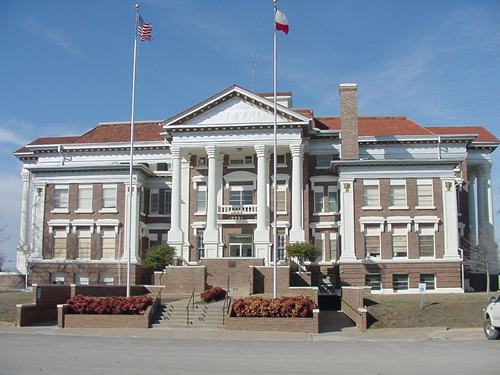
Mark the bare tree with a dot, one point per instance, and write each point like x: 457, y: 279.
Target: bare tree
x: 2, y: 239
x: 479, y: 255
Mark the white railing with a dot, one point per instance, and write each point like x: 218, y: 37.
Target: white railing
x: 246, y: 209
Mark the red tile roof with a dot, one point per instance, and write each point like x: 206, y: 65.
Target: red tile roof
x: 54, y: 140
x: 483, y: 135
x: 377, y: 126
x: 143, y: 132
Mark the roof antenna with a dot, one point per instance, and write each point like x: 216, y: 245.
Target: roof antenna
x: 254, y: 62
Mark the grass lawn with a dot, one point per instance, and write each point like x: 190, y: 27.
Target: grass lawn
x: 8, y: 301
x: 439, y: 310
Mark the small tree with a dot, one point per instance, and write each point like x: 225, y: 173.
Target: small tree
x: 302, y: 251
x: 480, y: 254
x: 158, y: 257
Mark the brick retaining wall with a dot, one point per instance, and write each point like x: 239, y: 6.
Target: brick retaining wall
x: 262, y: 280
x: 11, y: 280
x: 182, y: 279
x: 353, y: 306
x: 308, y: 325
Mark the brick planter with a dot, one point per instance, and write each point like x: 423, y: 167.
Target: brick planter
x: 308, y: 325
x: 65, y: 320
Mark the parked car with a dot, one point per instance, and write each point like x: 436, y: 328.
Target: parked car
x: 491, y: 324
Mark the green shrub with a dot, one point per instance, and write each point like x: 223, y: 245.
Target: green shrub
x: 158, y: 257
x: 302, y: 251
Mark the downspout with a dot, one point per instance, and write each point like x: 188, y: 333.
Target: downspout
x: 439, y: 147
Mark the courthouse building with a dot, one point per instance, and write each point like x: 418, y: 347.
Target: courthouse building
x: 389, y: 202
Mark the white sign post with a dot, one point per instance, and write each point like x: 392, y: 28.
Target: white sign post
x: 421, y: 290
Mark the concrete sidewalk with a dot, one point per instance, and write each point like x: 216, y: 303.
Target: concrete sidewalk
x: 346, y: 334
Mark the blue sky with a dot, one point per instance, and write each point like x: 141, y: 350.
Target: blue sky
x: 66, y: 65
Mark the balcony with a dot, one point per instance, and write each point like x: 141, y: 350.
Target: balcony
x: 229, y: 209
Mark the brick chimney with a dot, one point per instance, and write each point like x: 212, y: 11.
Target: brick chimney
x: 348, y: 121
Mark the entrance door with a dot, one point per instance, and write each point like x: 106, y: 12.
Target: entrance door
x: 241, y: 245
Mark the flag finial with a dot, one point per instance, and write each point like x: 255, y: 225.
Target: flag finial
x: 137, y: 6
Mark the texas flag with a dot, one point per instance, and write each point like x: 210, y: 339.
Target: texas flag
x: 281, y: 22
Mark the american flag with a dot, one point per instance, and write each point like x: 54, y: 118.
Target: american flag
x: 144, y: 29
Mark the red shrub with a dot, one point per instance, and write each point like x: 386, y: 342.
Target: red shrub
x: 109, y: 305
x: 213, y: 294
x: 282, y: 307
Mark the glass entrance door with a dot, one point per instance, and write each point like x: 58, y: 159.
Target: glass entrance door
x: 241, y: 245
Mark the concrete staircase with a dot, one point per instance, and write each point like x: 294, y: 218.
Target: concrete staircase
x: 173, y: 315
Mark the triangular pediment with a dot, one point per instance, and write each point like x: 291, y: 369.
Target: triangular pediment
x: 234, y: 106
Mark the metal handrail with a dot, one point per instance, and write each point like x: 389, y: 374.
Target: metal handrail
x: 227, y: 302
x: 187, y: 307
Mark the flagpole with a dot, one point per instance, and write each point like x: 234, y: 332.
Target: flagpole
x: 131, y: 162
x: 275, y: 159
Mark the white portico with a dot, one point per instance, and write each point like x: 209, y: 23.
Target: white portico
x: 228, y: 140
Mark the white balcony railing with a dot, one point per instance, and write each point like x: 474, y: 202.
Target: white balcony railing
x: 229, y: 209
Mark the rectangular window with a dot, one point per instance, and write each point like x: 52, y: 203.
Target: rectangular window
x: 323, y: 161
x: 281, y: 197
x: 60, y: 199
x: 141, y: 200
x: 281, y: 159
x: 200, y: 245
x: 281, y: 246
x: 239, y: 197
x: 154, y: 201
x: 319, y: 243
x: 106, y: 279
x: 167, y: 202
x: 424, y: 193
x: 241, y: 245
x: 332, y: 199
x: 371, y: 194
x: 82, y: 279
x: 334, y: 255
x: 60, y: 243
x: 161, y: 167
x: 108, y: 243
x: 429, y: 280
x: 153, y: 240
x: 426, y: 243
x: 242, y: 160
x: 398, y: 194
x: 201, y: 198
x: 85, y: 197
x: 109, y: 196
x: 399, y: 282
x: 84, y: 243
x: 399, y: 240
x: 372, y: 241
x: 57, y: 278
x: 318, y: 199
x: 374, y: 280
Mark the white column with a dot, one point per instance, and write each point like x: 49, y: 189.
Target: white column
x: 185, y: 189
x: 211, y: 235
x: 23, y: 247
x: 347, y: 220
x: 297, y: 229
x: 175, y: 234
x: 450, y: 219
x: 132, y: 221
x: 38, y: 219
x: 261, y: 234
x: 486, y: 233
x: 472, y: 208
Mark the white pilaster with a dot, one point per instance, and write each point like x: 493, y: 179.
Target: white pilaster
x: 297, y: 229
x: 23, y: 247
x: 132, y: 221
x: 211, y: 235
x: 175, y: 235
x: 38, y: 218
x: 450, y: 219
x: 347, y: 220
x: 472, y: 209
x: 185, y: 188
x: 486, y: 231
x: 261, y: 234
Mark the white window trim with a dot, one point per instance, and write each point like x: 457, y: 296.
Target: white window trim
x: 59, y: 223
x: 85, y: 210
x: 426, y: 182
x: 426, y: 220
x: 151, y: 192
x: 319, y: 189
x: 282, y: 187
x: 418, y: 229
x: 164, y: 202
x: 372, y: 220
x: 198, y: 189
x: 399, y: 183
x: 82, y: 223
x: 107, y: 223
x: 369, y: 257
x: 372, y: 183
x: 408, y: 228
x: 399, y: 220
x: 238, y: 166
x: 61, y: 210
x: 109, y: 209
